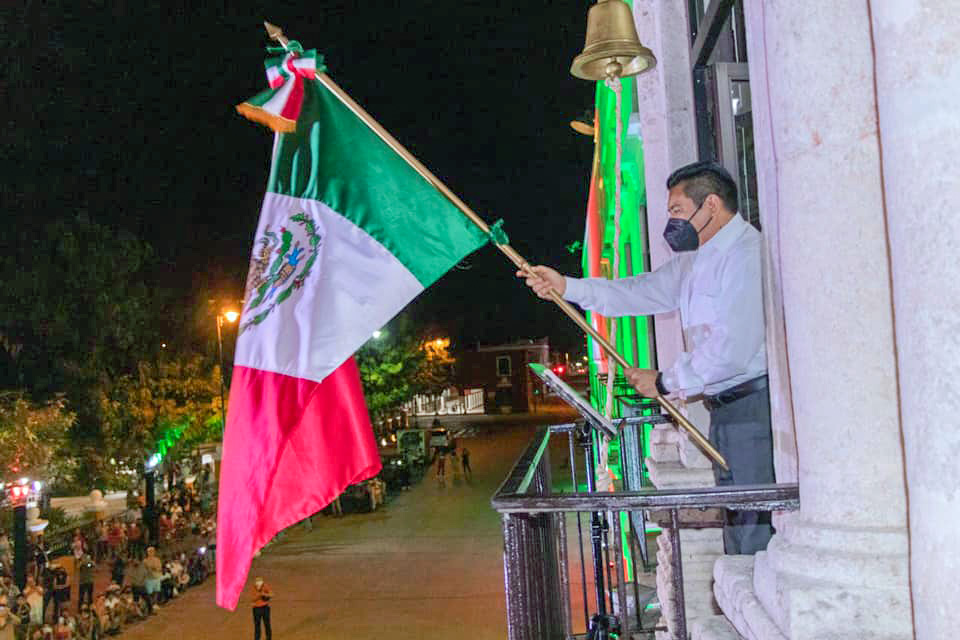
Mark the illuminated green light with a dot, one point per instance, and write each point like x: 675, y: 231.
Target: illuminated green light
x: 632, y: 338
x: 165, y: 443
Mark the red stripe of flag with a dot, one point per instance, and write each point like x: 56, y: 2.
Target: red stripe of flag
x: 291, y: 447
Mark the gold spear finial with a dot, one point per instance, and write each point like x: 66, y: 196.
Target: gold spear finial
x: 276, y: 33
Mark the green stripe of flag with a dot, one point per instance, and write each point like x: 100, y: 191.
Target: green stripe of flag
x: 335, y: 158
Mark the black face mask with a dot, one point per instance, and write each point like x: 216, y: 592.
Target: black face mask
x: 681, y: 235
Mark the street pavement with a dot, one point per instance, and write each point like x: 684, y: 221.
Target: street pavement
x: 428, y: 564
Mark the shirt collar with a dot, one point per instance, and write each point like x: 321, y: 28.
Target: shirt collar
x: 724, y: 239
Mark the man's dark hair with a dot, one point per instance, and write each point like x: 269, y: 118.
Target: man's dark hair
x: 700, y: 179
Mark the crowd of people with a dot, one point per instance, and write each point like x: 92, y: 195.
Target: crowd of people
x: 142, y: 577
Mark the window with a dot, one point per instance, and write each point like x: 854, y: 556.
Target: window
x: 503, y: 365
x: 721, y: 89
x: 735, y: 133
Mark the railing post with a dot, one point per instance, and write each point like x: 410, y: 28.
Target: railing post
x: 622, y: 605
x: 679, y: 601
x: 564, y: 565
x: 517, y: 616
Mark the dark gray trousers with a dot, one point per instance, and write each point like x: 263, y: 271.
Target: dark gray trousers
x: 741, y: 432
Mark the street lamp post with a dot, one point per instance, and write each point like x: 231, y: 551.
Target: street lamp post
x: 229, y: 316
x: 18, y: 497
x: 150, y: 507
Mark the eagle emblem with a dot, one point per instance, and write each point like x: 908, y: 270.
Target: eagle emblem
x: 282, y: 261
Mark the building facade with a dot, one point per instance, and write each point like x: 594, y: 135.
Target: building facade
x: 502, y: 372
x: 839, y: 122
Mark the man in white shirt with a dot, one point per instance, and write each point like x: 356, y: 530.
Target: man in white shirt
x: 714, y: 280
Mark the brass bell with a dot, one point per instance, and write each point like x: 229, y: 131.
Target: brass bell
x: 612, y: 47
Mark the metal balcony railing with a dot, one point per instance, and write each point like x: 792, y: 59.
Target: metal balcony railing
x: 543, y: 586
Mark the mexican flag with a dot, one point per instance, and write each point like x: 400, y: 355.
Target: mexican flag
x: 348, y: 235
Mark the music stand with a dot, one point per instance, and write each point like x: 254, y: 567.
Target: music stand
x: 590, y: 415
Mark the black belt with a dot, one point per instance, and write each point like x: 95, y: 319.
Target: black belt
x: 742, y: 390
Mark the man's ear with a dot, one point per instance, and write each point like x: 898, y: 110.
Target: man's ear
x: 713, y: 204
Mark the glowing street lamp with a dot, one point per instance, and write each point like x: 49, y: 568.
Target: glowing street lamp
x: 230, y: 316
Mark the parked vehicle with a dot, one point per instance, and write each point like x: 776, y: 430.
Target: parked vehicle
x: 439, y: 438
x: 414, y: 445
x: 397, y: 472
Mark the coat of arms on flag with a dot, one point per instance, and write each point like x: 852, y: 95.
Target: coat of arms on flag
x: 281, y: 263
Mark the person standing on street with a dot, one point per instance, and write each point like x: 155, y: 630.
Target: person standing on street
x: 261, y: 607
x: 34, y: 596
x: 39, y: 556
x: 715, y: 282
x: 102, y: 533
x: 134, y: 540
x: 138, y: 582
x: 154, y: 578
x: 47, y: 582
x: 441, y: 465
x: 85, y: 580
x: 117, y: 570
x: 61, y: 591
x: 465, y: 461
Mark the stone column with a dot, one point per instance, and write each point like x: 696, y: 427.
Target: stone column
x: 665, y: 106
x: 838, y: 568
x: 917, y: 44
x: 778, y: 365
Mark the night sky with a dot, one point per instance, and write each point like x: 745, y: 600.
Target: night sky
x: 124, y: 112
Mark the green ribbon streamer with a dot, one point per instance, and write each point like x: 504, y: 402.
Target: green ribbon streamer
x: 296, y: 47
x: 496, y: 234
x: 292, y: 45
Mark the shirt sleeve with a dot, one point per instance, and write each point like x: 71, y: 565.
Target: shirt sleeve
x: 733, y: 339
x: 641, y: 295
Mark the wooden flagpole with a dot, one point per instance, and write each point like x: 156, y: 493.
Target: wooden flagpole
x: 702, y: 442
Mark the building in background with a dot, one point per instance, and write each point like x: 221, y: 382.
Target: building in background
x: 502, y: 372
x: 490, y: 379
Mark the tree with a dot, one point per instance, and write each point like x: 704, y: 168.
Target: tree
x: 399, y: 364
x: 33, y: 437
x: 435, y: 373
x: 180, y: 394
x: 75, y: 306
x: 77, y: 314
x: 388, y: 368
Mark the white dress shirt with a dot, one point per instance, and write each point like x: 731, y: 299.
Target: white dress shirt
x: 720, y: 297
